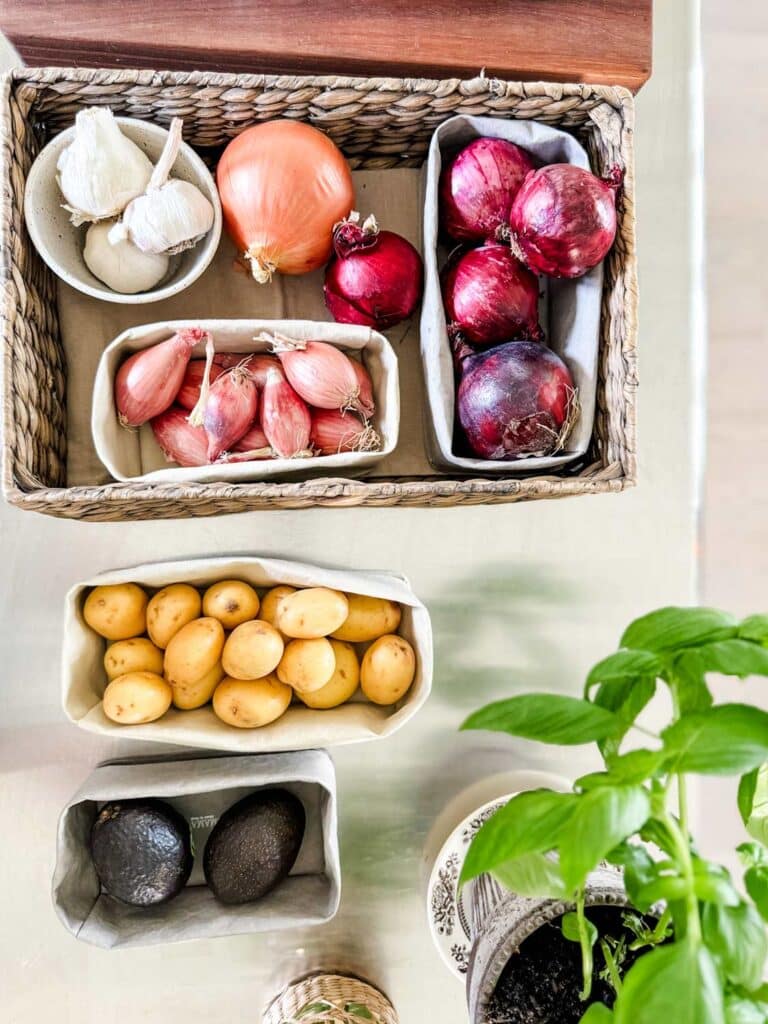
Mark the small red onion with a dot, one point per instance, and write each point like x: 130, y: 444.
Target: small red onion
x: 377, y: 276
x: 515, y: 400
x: 189, y: 392
x: 148, y: 381
x: 319, y: 373
x: 334, y: 432
x: 284, y: 417
x: 366, y: 406
x: 491, y: 297
x: 478, y: 186
x: 229, y: 410
x: 563, y: 220
x: 179, y: 440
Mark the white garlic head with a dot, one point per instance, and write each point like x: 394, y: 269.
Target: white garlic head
x: 168, y: 219
x: 121, y: 266
x: 101, y: 170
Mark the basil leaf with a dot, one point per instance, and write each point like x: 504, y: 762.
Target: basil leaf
x: 713, y: 884
x: 598, y: 1013
x: 678, y: 982
x: 570, y: 928
x: 667, y: 888
x: 756, y: 883
x: 528, y: 823
x: 752, y: 855
x: 626, y: 698
x: 639, y: 868
x: 754, y: 628
x: 689, y: 683
x: 534, y: 874
x: 733, y: 657
x: 737, y: 937
x: 624, y: 666
x: 668, y: 629
x: 602, y: 819
x: 636, y: 765
x: 757, y: 825
x: 739, y: 1010
x: 746, y: 795
x: 723, y: 740
x: 547, y: 717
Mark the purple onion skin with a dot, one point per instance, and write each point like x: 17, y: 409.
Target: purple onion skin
x: 513, y: 400
x: 563, y: 220
x: 478, y: 186
x: 377, y: 285
x: 490, y: 297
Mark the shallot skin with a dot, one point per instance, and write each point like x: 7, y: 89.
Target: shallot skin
x: 563, y: 220
x: 148, y: 381
x: 180, y: 441
x: 230, y: 410
x: 189, y: 392
x: 490, y: 297
x: 284, y: 417
x: 515, y: 400
x: 478, y: 186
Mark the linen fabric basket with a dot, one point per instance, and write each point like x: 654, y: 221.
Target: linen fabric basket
x: 336, y: 989
x: 378, y: 123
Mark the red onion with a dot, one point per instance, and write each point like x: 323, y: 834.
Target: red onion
x: 284, y: 418
x: 189, y: 392
x: 366, y: 405
x: 478, y: 186
x: 179, y: 440
x: 491, y: 297
x: 229, y: 410
x: 334, y: 432
x: 563, y: 220
x: 319, y: 373
x: 376, y: 278
x: 147, y: 382
x: 515, y: 400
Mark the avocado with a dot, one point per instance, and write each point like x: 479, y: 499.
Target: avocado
x: 142, y: 851
x: 254, y: 845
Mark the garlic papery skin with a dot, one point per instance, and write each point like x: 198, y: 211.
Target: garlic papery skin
x: 172, y: 215
x: 122, y: 266
x: 101, y: 170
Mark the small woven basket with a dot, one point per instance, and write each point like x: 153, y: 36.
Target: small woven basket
x: 336, y: 988
x: 378, y: 123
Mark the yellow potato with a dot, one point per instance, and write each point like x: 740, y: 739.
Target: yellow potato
x: 312, y: 613
x: 170, y: 609
x: 342, y: 683
x: 368, y: 619
x: 117, y: 612
x: 388, y: 668
x: 271, y: 601
x: 231, y: 602
x: 135, y: 655
x: 251, y: 703
x: 307, y: 664
x: 193, y: 651
x: 136, y: 697
x: 193, y: 695
x: 252, y: 650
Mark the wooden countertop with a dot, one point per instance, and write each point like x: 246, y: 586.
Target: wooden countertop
x: 600, y: 41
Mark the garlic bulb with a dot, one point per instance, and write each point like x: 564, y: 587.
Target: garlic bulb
x: 172, y: 215
x: 101, y: 170
x: 122, y: 266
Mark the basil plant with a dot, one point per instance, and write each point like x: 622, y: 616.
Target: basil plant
x: 702, y: 956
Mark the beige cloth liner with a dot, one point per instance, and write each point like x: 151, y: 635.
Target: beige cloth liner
x: 300, y: 728
x: 223, y: 292
x: 136, y: 455
x: 201, y: 790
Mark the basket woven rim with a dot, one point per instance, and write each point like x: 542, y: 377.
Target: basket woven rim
x: 334, y: 986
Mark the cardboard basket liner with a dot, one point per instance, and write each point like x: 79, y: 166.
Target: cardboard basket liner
x: 200, y: 790
x: 135, y: 455
x: 570, y: 310
x: 300, y: 728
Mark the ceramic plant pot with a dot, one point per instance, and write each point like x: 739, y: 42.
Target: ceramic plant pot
x: 336, y: 989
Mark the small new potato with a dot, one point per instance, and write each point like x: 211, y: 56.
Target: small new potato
x: 307, y: 664
x: 368, y: 619
x: 342, y: 684
x: 136, y: 698
x: 187, y: 696
x: 169, y: 610
x: 135, y: 655
x: 312, y: 613
x: 271, y: 601
x: 193, y: 651
x: 387, y: 670
x: 253, y: 650
x: 231, y: 602
x: 251, y: 703
x: 117, y: 611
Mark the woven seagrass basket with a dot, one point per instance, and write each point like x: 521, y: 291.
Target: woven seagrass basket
x: 378, y: 123
x: 337, y: 989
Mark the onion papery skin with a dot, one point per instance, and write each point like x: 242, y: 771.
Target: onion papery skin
x: 563, y: 220
x: 366, y: 404
x: 230, y: 410
x: 321, y: 374
x: 478, y: 186
x: 189, y: 392
x: 515, y: 400
x: 256, y: 363
x: 179, y: 440
x: 148, y: 381
x: 253, y: 438
x: 283, y: 185
x: 490, y: 297
x: 334, y: 432
x: 285, y: 418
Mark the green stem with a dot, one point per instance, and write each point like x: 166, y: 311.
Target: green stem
x: 587, y: 962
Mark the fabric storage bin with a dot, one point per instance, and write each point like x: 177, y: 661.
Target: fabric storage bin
x: 300, y: 728
x: 384, y: 127
x: 200, y: 790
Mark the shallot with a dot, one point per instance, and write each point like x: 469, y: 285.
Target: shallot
x: 256, y: 363
x: 189, y: 392
x: 148, y: 381
x: 490, y: 297
x: 365, y: 384
x: 319, y: 373
x: 179, y: 440
x: 563, y: 220
x: 254, y: 438
x: 230, y: 409
x: 284, y: 418
x: 515, y: 400
x: 334, y: 431
x: 478, y: 186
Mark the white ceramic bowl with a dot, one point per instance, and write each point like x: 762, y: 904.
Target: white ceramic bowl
x: 60, y: 243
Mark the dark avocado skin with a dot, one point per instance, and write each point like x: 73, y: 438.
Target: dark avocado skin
x: 254, y: 845
x: 142, y: 851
